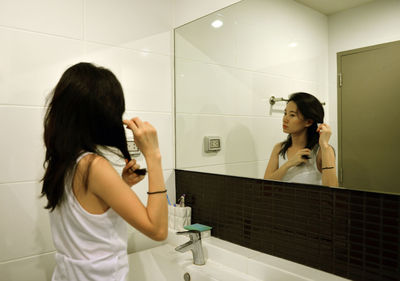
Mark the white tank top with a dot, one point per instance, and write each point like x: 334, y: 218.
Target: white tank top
x: 306, y: 173
x: 88, y: 246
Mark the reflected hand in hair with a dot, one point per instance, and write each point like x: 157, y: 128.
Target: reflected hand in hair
x: 325, y: 133
x: 128, y: 174
x: 301, y: 157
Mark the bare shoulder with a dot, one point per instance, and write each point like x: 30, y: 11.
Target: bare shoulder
x: 94, y: 161
x: 277, y: 148
x: 100, y: 171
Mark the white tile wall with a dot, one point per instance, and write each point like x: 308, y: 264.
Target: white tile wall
x: 40, y: 39
x: 145, y: 76
x: 124, y: 22
x: 243, y: 140
x: 21, y: 146
x: 56, y: 17
x: 31, y: 64
x: 225, y: 77
x: 25, y: 228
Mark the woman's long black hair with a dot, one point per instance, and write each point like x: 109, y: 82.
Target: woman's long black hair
x: 311, y: 109
x: 84, y: 112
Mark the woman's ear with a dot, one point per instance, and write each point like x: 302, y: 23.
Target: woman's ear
x: 309, y: 122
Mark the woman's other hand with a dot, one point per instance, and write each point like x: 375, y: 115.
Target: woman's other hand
x: 128, y: 175
x: 298, y: 158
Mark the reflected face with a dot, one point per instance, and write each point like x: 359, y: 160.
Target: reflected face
x: 293, y: 120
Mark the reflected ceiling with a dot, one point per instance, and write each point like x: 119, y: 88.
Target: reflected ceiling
x: 329, y: 7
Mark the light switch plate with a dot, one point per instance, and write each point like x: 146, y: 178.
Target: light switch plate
x: 133, y: 149
x: 212, y: 143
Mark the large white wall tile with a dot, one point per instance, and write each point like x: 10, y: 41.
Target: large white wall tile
x: 200, y: 41
x: 189, y: 10
x: 29, y: 74
x: 58, y: 17
x: 35, y: 268
x: 21, y: 145
x: 233, y: 91
x: 125, y: 22
x: 145, y: 77
x: 25, y: 231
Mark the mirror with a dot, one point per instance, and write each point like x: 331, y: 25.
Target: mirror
x: 230, y: 63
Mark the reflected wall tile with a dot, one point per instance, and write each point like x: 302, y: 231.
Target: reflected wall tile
x: 234, y: 131
x: 29, y: 75
x: 189, y: 10
x: 64, y: 18
x: 202, y: 42
x: 26, y: 231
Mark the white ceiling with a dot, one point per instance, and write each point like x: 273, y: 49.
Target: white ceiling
x: 329, y: 7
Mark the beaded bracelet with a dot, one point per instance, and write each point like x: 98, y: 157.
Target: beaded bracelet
x: 155, y: 192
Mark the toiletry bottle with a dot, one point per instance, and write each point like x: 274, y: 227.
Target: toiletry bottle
x: 182, y: 201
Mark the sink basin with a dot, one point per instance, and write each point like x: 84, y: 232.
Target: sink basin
x: 225, y: 261
x: 164, y: 263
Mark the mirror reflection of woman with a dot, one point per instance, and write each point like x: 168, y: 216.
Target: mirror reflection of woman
x: 305, y: 156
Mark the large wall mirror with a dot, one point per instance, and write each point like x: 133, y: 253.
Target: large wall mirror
x: 230, y: 63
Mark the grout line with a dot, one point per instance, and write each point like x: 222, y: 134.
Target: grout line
x: 26, y: 258
x: 20, y: 29
x: 216, y: 165
x: 23, y: 105
x: 83, y: 19
x: 127, y: 48
x: 229, y: 115
x: 152, y: 112
x: 19, y: 182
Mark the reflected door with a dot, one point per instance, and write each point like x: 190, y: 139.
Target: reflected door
x: 369, y: 117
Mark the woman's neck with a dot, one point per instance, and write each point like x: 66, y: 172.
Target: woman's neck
x: 299, y: 140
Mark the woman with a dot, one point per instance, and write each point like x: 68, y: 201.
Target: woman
x: 88, y: 201
x: 306, y: 155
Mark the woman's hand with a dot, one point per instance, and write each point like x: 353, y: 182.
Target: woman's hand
x: 325, y: 133
x: 145, y: 136
x: 128, y: 175
x: 298, y: 158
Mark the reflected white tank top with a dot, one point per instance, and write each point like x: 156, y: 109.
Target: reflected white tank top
x: 89, y: 247
x: 306, y: 173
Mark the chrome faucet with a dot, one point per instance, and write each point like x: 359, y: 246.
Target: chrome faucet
x: 194, y: 245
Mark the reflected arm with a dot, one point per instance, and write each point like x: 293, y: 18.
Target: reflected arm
x: 326, y: 159
x: 273, y: 171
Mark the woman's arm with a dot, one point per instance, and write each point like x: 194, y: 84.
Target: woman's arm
x: 326, y: 157
x: 104, y: 181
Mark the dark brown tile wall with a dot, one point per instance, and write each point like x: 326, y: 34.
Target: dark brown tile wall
x: 353, y: 234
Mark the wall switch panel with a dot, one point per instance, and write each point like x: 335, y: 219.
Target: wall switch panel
x: 133, y: 149
x: 212, y: 144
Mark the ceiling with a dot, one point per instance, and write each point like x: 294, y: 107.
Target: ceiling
x: 329, y: 7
